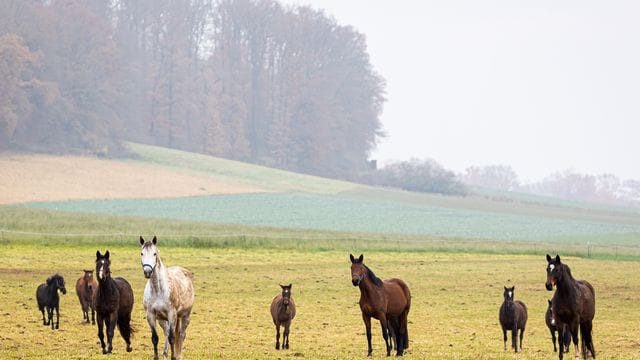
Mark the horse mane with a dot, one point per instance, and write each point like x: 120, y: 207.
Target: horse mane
x: 376, y: 280
x: 567, y: 271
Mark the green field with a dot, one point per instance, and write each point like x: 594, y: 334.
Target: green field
x: 454, y: 314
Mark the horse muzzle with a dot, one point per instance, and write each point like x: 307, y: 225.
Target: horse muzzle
x: 356, y: 280
x: 64, y: 291
x: 148, y: 270
x: 548, y: 286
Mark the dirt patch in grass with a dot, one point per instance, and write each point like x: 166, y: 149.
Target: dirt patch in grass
x: 26, y: 178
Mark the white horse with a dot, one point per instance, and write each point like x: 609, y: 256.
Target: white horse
x: 168, y: 298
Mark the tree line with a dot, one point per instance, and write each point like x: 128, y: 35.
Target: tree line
x: 250, y: 80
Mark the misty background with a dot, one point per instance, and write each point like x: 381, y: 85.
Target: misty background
x: 448, y: 97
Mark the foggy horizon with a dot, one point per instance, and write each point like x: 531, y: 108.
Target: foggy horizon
x: 542, y: 87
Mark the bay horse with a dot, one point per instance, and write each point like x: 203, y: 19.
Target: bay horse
x: 388, y: 301
x: 86, y: 287
x: 283, y: 310
x: 573, y: 304
x: 550, y: 320
x: 513, y: 316
x: 168, y: 298
x: 48, y: 298
x: 113, y: 304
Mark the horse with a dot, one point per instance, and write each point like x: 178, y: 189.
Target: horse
x: 513, y: 316
x: 113, y: 304
x: 168, y: 298
x: 48, y: 298
x: 283, y: 310
x: 550, y: 320
x: 86, y: 288
x: 573, y: 304
x: 388, y: 301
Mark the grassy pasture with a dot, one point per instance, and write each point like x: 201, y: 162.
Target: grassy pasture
x: 454, y: 312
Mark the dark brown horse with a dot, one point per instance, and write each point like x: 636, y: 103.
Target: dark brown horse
x: 114, y: 302
x: 513, y: 316
x: 550, y: 320
x: 86, y: 288
x: 574, y: 305
x: 283, y: 310
x: 388, y: 301
x: 48, y: 298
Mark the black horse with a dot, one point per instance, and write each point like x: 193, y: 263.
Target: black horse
x: 114, y: 302
x: 48, y: 298
x: 513, y: 316
x: 550, y: 320
x: 574, y: 305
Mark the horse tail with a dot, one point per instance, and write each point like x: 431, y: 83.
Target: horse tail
x: 124, y: 325
x: 405, y: 313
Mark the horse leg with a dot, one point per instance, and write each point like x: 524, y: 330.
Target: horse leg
x: 367, y: 326
x: 278, y: 336
x: 514, y: 338
x: 521, y: 337
x: 574, y: 336
x: 587, y: 341
x: 93, y: 312
x: 50, y: 316
x: 44, y: 322
x: 57, y: 317
x: 164, y: 324
x: 101, y: 333
x: 402, y: 336
x: 553, y: 340
x: 172, y: 321
x: 504, y: 336
x: 151, y: 320
x: 287, y: 325
x: 111, y: 327
x: 385, y: 334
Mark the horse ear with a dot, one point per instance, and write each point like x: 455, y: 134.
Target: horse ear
x: 505, y: 288
x: 98, y: 255
x: 141, y: 240
x: 290, y: 286
x: 548, y: 258
x: 558, y: 259
x: 352, y: 258
x: 155, y: 240
x: 361, y: 258
x: 281, y: 286
x: 106, y: 255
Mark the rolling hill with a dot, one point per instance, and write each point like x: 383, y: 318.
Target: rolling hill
x: 160, y: 183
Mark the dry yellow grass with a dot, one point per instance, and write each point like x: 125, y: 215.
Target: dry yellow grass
x: 25, y: 178
x: 454, y: 313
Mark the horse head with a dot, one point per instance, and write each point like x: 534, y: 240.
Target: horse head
x: 103, y: 265
x: 286, y: 295
x: 358, y: 270
x: 555, y: 271
x: 552, y: 318
x: 57, y: 281
x: 149, y: 256
x: 508, y: 293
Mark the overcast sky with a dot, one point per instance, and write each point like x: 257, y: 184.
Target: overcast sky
x: 542, y: 86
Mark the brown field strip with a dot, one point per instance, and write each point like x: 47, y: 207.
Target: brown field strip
x: 25, y: 178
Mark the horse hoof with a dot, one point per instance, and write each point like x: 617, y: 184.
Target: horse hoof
x: 104, y: 351
x: 129, y: 348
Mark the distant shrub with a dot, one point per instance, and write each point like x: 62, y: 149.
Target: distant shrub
x: 422, y: 176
